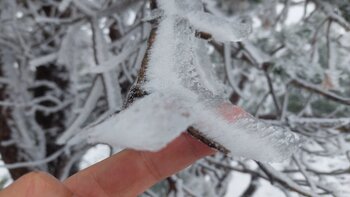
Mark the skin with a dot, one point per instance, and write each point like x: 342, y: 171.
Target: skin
x: 126, y: 174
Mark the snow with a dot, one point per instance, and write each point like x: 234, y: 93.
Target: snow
x: 154, y: 124
x: 162, y: 77
x: 266, y: 189
x: 157, y: 122
x: 237, y: 185
x: 94, y: 155
x: 240, y: 182
x: 184, y: 92
x: 5, y: 175
x: 221, y: 29
x: 173, y: 68
x: 296, y: 12
x: 174, y: 60
x: 247, y: 136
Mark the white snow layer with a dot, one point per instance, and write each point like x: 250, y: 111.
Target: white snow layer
x: 221, y: 29
x: 145, y: 125
x: 184, y: 92
x: 152, y: 122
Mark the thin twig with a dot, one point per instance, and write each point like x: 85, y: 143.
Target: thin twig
x: 211, y: 143
x: 319, y: 90
x: 271, y: 88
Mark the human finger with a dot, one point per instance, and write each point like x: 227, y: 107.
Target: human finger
x: 131, y: 172
x: 36, y: 184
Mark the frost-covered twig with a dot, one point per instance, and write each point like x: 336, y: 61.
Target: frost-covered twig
x: 112, y: 64
x: 211, y: 143
x: 136, y: 90
x: 265, y: 68
x: 34, y: 163
x: 110, y: 79
x: 72, y: 160
x: 277, y: 177
x: 42, y: 60
x: 305, y: 174
x: 95, y: 93
x: 118, y: 7
x: 329, y: 10
x: 228, y: 62
x: 286, y: 181
x: 322, y: 121
x: 321, y: 91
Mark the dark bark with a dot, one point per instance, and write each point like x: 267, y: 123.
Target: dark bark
x: 209, y: 142
x: 252, y: 187
x: 136, y: 90
x: 55, y: 120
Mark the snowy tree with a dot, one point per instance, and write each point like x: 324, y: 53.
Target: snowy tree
x: 76, y: 73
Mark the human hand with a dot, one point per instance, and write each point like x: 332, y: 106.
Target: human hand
x: 125, y: 174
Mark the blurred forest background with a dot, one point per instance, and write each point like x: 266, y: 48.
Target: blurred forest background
x: 293, y: 70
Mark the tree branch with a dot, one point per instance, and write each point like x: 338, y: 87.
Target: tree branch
x: 319, y: 90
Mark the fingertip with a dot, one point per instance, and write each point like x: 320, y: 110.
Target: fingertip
x: 36, y: 184
x: 231, y: 112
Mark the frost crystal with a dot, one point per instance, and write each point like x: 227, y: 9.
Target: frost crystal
x: 146, y: 125
x: 184, y: 92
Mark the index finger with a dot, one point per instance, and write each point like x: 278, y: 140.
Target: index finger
x: 131, y: 172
